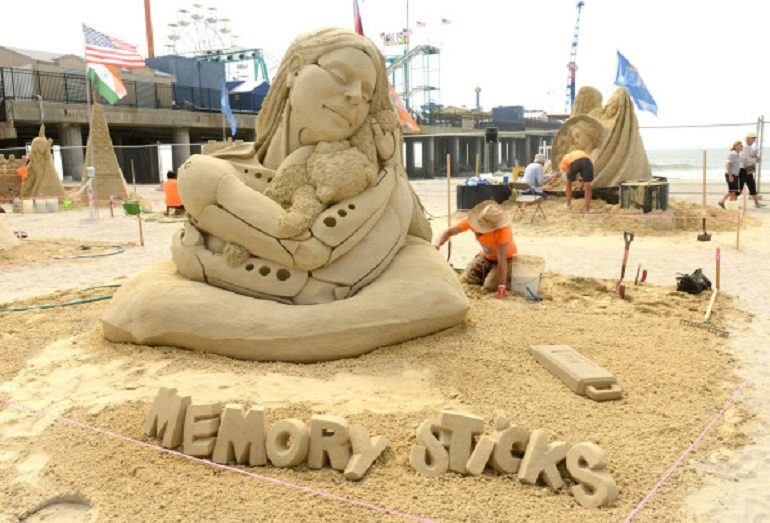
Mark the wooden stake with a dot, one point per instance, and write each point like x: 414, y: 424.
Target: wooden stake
x: 718, y: 262
x: 112, y: 211
x: 141, y: 231
x: 704, y: 179
x: 449, y: 190
x: 133, y: 178
x: 711, y: 306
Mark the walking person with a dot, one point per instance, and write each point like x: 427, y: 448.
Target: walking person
x: 732, y: 173
x: 750, y: 158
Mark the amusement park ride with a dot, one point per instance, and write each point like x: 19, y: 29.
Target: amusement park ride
x: 201, y: 33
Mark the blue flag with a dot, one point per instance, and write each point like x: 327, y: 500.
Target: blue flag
x: 224, y: 102
x: 628, y: 77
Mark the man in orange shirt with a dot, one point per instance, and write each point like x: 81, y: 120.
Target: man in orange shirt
x: 574, y: 163
x: 173, y: 201
x: 492, y: 266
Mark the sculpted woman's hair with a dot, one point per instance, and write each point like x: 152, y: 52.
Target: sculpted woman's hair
x: 307, y: 49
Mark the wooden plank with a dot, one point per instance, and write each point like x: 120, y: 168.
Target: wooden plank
x: 581, y: 375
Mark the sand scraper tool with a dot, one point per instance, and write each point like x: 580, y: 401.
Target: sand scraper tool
x: 704, y: 236
x: 628, y: 237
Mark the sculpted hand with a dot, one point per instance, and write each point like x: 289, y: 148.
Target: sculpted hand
x: 384, y: 142
x: 501, y: 292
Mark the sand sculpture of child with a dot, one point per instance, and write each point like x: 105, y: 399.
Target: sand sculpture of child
x: 316, y: 212
x: 42, y: 180
x: 610, y: 135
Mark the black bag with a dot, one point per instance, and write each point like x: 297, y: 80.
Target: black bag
x: 693, y: 283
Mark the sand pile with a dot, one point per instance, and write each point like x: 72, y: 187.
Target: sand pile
x: 7, y: 238
x: 673, y: 378
x: 681, y: 217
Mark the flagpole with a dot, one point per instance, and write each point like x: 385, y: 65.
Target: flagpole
x: 89, y: 157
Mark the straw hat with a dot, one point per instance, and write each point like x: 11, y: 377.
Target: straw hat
x: 751, y: 134
x: 487, y: 216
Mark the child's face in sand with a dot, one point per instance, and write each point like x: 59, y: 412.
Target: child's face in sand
x: 330, y: 99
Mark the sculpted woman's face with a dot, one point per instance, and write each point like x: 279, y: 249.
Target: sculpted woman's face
x: 330, y: 99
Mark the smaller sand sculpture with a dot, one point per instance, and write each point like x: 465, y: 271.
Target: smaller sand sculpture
x: 10, y: 181
x: 42, y: 180
x: 7, y: 238
x: 609, y: 134
x: 109, y: 181
x: 230, y: 434
x: 455, y: 441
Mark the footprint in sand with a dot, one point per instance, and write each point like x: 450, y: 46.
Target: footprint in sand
x: 72, y: 508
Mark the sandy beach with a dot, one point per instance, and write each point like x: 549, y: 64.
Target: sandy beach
x: 72, y: 405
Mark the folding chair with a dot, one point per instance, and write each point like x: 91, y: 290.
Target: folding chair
x: 525, y: 200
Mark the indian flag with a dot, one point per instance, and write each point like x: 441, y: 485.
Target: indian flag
x: 108, y: 82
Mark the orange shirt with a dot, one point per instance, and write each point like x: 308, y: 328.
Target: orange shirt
x: 570, y: 157
x: 490, y: 241
x: 22, y: 172
x: 172, y: 194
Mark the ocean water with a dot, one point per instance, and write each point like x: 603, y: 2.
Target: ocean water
x: 687, y: 164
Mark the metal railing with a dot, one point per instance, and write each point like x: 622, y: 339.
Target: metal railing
x: 70, y: 88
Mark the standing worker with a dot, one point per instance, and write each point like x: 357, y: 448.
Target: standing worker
x: 492, y: 266
x: 750, y: 158
x: 732, y: 172
x: 574, y: 163
x: 170, y: 189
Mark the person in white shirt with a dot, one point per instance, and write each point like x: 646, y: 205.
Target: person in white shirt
x: 750, y: 159
x: 732, y: 172
x: 535, y: 177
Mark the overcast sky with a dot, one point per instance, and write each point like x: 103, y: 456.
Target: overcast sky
x: 703, y: 62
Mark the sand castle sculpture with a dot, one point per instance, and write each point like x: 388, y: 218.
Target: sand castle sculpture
x: 109, y: 181
x: 10, y: 181
x: 42, y: 180
x: 609, y: 134
x: 308, y: 244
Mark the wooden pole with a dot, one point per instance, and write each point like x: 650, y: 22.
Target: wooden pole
x: 112, y: 210
x: 704, y: 179
x: 133, y: 177
x: 718, y: 256
x: 448, y: 190
x: 478, y: 164
x: 148, y: 29
x: 711, y: 306
x: 141, y: 230
x: 741, y: 211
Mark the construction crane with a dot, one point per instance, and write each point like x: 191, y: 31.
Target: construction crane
x: 572, y: 66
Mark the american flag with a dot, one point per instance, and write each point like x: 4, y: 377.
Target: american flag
x: 103, y: 49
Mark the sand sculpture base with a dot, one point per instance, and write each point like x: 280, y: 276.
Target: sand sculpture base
x: 418, y: 294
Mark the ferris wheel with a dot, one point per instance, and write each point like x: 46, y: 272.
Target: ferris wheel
x: 200, y: 29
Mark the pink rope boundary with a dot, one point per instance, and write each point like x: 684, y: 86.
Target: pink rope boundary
x: 709, y: 426
x: 308, y: 490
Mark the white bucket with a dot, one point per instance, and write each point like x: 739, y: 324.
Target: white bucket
x: 52, y: 205
x: 28, y: 206
x: 526, y: 271
x: 40, y: 206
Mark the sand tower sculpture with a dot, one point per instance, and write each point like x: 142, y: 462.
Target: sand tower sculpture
x: 109, y: 180
x: 10, y: 181
x: 42, y: 180
x: 307, y: 244
x: 609, y: 134
x: 7, y: 238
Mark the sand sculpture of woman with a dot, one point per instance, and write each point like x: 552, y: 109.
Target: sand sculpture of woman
x: 317, y: 211
x: 42, y: 180
x: 609, y: 134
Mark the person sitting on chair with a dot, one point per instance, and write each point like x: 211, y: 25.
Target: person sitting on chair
x: 173, y: 201
x: 535, y: 177
x: 492, y: 266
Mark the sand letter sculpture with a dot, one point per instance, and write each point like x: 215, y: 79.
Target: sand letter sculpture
x: 42, y: 180
x: 609, y: 134
x: 308, y: 244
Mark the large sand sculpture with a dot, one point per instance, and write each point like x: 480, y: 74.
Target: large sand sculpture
x: 42, y: 180
x: 308, y: 244
x: 109, y: 181
x: 609, y: 134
